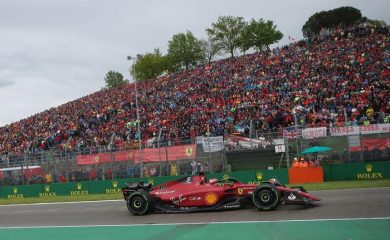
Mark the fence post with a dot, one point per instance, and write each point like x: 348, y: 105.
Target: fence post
x: 158, y: 146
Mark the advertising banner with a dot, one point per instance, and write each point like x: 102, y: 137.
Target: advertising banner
x: 213, y: 144
x: 357, y: 171
x: 310, y: 133
x: 356, y: 130
x: 172, y: 153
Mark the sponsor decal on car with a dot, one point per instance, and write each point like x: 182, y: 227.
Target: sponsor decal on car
x: 178, y: 200
x: 188, y: 180
x: 292, y: 196
x: 211, y: 198
x: 240, y: 191
x: 232, y: 206
x: 164, y: 192
x: 194, y: 198
x: 369, y: 174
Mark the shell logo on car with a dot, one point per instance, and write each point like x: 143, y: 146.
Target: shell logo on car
x: 211, y: 198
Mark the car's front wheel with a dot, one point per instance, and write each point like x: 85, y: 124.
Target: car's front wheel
x: 139, y: 203
x: 266, y: 197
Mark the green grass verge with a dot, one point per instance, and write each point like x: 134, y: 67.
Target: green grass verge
x: 344, y: 185
x: 95, y: 197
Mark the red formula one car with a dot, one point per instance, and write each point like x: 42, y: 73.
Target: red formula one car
x: 193, y: 194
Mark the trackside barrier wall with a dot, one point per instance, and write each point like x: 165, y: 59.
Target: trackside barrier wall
x: 357, y: 171
x: 332, y: 172
x: 114, y: 186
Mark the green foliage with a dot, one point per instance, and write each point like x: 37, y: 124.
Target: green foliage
x: 377, y: 23
x: 259, y: 35
x: 226, y: 33
x: 184, y: 51
x: 343, y: 16
x: 114, y: 79
x: 149, y: 65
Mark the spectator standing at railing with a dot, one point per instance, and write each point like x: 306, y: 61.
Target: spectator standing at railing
x: 295, y: 163
x: 303, y: 163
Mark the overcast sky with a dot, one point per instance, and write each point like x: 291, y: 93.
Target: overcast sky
x: 55, y: 51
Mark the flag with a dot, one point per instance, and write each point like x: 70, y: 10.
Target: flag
x: 291, y: 133
x: 291, y: 38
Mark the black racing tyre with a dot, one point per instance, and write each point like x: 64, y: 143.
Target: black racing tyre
x: 266, y: 197
x: 139, y: 203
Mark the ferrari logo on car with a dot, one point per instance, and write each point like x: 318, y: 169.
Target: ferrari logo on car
x: 240, y: 191
x: 211, y: 198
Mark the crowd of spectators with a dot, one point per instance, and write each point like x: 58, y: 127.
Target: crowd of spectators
x: 311, y: 80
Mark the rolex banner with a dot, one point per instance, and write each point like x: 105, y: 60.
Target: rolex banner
x: 213, y: 144
x: 357, y: 171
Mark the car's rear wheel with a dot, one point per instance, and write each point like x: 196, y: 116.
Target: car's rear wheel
x: 266, y: 197
x: 139, y: 203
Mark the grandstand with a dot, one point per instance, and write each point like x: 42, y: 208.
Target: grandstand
x: 344, y: 74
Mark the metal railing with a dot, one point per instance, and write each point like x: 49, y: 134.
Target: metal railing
x: 246, y: 152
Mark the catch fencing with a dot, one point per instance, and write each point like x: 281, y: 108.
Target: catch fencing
x: 254, y: 150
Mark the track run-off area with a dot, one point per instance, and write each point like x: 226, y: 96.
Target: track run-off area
x: 341, y: 214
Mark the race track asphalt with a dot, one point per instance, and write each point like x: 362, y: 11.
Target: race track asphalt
x: 335, y: 204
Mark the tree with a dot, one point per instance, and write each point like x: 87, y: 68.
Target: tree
x: 259, y: 35
x: 377, y: 23
x: 114, y: 79
x: 210, y: 49
x: 184, y: 50
x: 226, y: 33
x: 149, y: 65
x: 343, y: 16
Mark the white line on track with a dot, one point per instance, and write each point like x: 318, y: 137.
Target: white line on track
x: 205, y: 223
